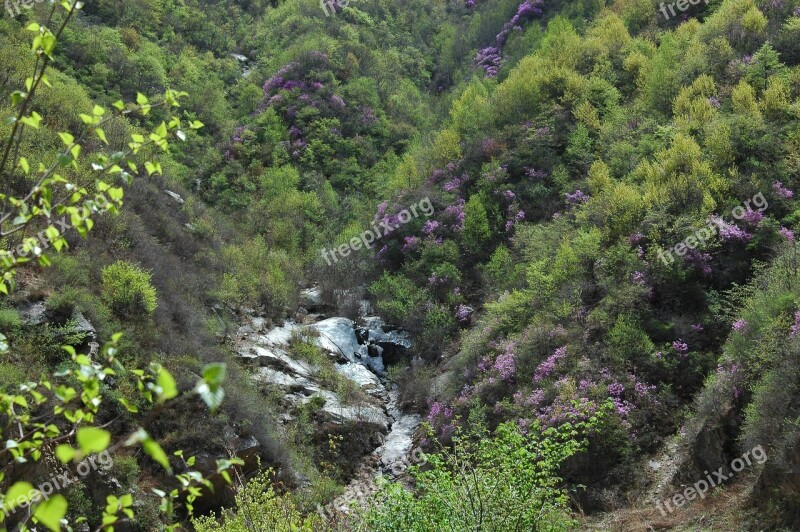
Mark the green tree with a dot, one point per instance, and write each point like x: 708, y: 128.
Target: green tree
x: 128, y: 290
x: 476, y: 226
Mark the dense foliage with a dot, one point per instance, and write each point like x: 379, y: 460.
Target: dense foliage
x: 612, y: 247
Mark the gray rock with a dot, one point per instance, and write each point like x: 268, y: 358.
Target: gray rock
x: 311, y: 298
x: 177, y: 197
x: 84, y: 325
x: 33, y: 313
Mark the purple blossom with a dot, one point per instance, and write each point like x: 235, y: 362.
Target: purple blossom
x: 782, y: 191
x: 635, y: 238
x: 728, y: 231
x: 434, y: 280
x: 739, y: 325
x: 752, y: 217
x: 457, y: 213
x: 642, y: 389
x: 577, y: 197
x: 546, y: 367
x: 510, y: 196
x: 410, y: 244
x: 699, y: 260
x: 615, y: 389
x: 796, y: 327
x: 697, y: 327
x: 463, y: 313
x: 430, y: 226
x: 533, y: 173
x: 680, y: 346
x: 623, y: 407
x: 505, y: 365
x: 638, y: 278
x: 714, y: 102
x: 338, y: 101
x: 489, y: 58
x: 788, y: 234
x: 454, y: 184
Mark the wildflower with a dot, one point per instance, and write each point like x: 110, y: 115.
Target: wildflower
x: 615, y: 389
x: 430, y: 226
x: 577, y: 197
x: 546, y: 367
x: 739, y: 325
x: 796, y: 326
x: 788, y: 234
x: 463, y: 313
x: 680, y: 346
x: 505, y: 365
x: 410, y: 243
x: 782, y: 191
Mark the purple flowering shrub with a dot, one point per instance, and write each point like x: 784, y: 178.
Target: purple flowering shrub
x: 489, y: 58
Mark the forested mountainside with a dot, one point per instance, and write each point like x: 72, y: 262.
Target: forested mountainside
x: 400, y: 265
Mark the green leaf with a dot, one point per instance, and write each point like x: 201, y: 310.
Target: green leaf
x: 210, y: 388
x: 150, y: 446
x: 155, y: 451
x: 93, y: 439
x: 129, y: 407
x: 17, y: 495
x: 51, y: 512
x: 167, y: 386
x: 65, y: 453
x: 66, y: 138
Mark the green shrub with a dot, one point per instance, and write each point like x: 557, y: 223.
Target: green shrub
x: 505, y: 481
x: 128, y: 290
x: 258, y: 507
x: 10, y: 322
x: 399, y: 300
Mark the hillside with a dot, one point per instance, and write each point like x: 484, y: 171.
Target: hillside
x: 371, y: 265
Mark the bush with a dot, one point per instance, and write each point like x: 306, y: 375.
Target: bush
x: 128, y: 290
x: 10, y: 322
x: 258, y: 507
x: 504, y: 482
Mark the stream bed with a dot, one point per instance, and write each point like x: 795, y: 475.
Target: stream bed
x: 358, y: 352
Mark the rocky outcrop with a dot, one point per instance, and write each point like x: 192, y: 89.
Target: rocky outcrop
x: 359, y: 353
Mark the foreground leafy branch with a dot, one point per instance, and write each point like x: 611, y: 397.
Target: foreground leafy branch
x: 57, y: 416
